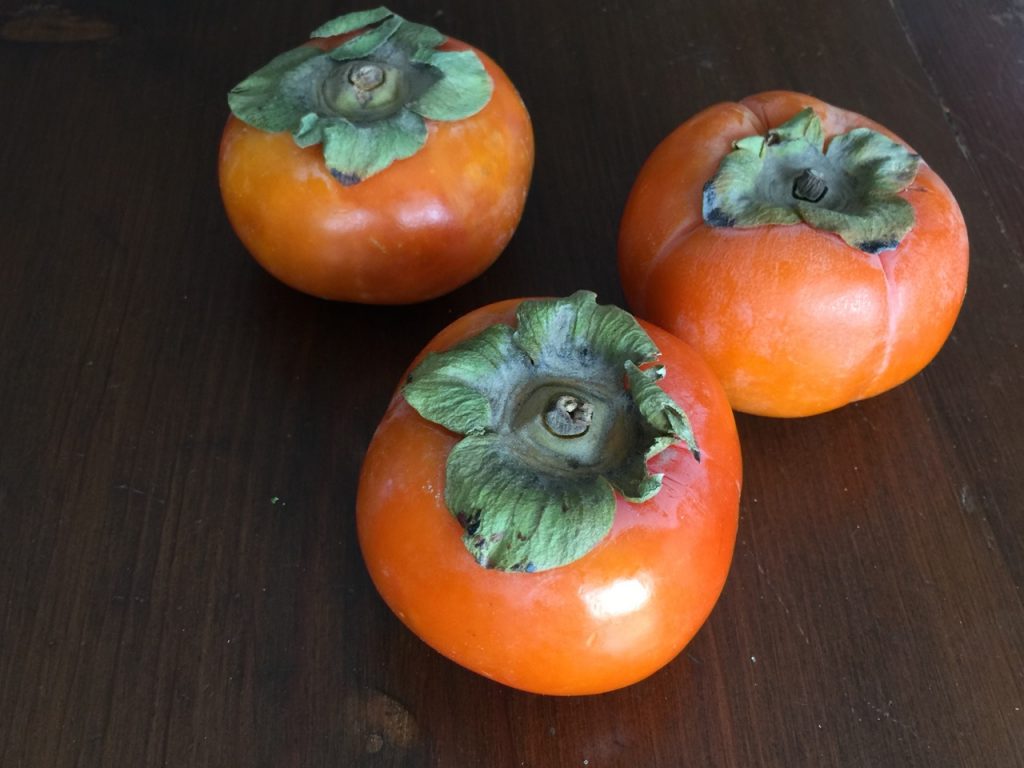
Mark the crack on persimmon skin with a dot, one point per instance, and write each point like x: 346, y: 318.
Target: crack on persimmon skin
x: 680, y: 233
x: 670, y: 244
x: 887, y: 344
x: 761, y: 119
x: 885, y: 264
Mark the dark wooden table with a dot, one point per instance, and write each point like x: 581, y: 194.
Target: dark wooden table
x: 182, y: 435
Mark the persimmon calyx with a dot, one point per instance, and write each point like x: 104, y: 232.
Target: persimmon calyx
x: 365, y: 100
x: 851, y: 188
x: 557, y: 415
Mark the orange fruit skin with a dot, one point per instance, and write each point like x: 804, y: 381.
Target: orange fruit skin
x: 605, y: 621
x: 793, y: 320
x: 416, y: 230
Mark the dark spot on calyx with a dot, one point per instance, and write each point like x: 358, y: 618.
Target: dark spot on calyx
x: 712, y: 213
x: 347, y: 179
x: 469, y: 522
x: 877, y: 246
x: 522, y: 568
x: 716, y: 218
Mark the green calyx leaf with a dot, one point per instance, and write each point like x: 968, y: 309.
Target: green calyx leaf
x: 268, y: 99
x: 367, y: 98
x: 532, y: 524
x: 660, y: 411
x: 354, y: 152
x: 350, y: 22
x: 368, y: 43
x: 451, y: 388
x: 850, y: 188
x: 462, y: 91
x: 557, y: 416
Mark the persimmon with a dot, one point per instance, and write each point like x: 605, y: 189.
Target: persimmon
x: 551, y: 498
x: 380, y: 163
x: 807, y: 252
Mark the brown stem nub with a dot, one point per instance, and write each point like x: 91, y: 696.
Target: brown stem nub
x: 809, y: 186
x: 568, y: 416
x: 366, y: 77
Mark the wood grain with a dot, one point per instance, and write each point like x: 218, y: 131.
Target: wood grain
x: 181, y: 435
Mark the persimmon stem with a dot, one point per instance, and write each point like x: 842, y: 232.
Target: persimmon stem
x: 568, y: 416
x: 366, y: 77
x: 810, y: 186
x: 364, y: 91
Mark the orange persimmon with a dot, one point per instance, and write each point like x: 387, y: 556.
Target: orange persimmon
x: 379, y: 163
x: 805, y: 251
x: 551, y: 499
